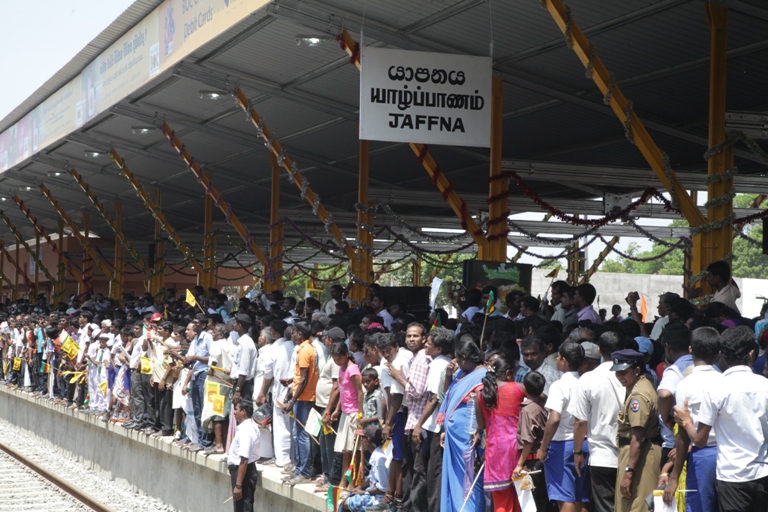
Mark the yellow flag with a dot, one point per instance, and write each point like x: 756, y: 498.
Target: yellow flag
x: 103, y: 388
x: 191, y: 299
x: 553, y: 274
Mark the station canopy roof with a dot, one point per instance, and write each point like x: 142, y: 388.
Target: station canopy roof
x: 567, y: 145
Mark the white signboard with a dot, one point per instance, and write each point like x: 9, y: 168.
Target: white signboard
x: 429, y: 98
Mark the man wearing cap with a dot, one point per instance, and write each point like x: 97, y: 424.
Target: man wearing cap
x: 638, y: 434
x: 595, y: 404
x: 645, y: 347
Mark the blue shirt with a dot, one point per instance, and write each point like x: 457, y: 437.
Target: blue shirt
x: 40, y: 340
x: 201, y: 346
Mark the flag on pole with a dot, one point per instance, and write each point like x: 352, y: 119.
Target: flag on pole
x: 437, y: 322
x: 333, y: 498
x: 553, y: 274
x: 643, y: 307
x: 490, y: 306
x: 191, y: 299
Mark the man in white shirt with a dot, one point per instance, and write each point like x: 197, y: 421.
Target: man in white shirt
x: 244, y: 368
x: 439, y: 342
x: 665, y: 302
x: 242, y: 457
x: 595, y: 406
x: 379, y: 305
x: 737, y: 409
x: 283, y: 374
x: 337, y: 295
x: 701, y: 475
x: 719, y: 278
x: 677, y: 343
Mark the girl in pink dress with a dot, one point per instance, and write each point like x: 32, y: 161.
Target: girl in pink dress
x: 498, y: 411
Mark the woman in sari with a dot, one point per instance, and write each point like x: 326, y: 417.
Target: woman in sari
x: 456, y: 419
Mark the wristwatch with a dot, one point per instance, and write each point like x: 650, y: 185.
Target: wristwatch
x: 579, y: 453
x: 628, y: 469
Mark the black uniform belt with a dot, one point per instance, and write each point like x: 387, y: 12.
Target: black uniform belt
x: 624, y: 441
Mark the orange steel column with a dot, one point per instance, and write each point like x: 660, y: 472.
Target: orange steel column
x: 119, y: 280
x: 37, y: 263
x: 716, y: 244
x: 362, y: 269
x: 276, y: 231
x: 18, y: 272
x: 498, y: 189
x: 87, y: 262
x: 61, y: 281
x: 207, y: 275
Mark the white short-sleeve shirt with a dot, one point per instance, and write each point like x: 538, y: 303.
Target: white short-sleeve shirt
x: 246, y: 443
x: 558, y: 399
x: 693, y: 390
x: 737, y: 409
x: 597, y: 400
x: 435, y: 382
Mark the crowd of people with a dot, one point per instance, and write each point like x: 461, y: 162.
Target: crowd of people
x: 545, y: 403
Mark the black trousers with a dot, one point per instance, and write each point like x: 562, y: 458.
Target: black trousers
x: 249, y: 487
x: 434, y: 471
x: 743, y: 496
x: 161, y: 407
x: 416, y: 499
x: 603, y: 488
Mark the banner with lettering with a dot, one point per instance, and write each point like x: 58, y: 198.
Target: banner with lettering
x: 429, y: 98
x: 172, y: 31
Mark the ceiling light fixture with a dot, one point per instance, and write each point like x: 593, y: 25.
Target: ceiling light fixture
x: 753, y: 124
x: 312, y: 40
x: 26, y: 188
x: 55, y: 174
x: 90, y: 153
x: 142, y: 130
x: 213, y: 95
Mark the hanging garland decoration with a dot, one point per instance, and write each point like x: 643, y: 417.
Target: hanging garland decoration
x: 565, y: 254
x: 402, y: 223
x: 613, y: 216
x: 552, y: 241
x: 637, y: 258
x: 684, y: 241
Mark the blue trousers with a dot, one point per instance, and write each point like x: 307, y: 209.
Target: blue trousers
x: 702, y: 463
x: 198, y: 397
x: 301, y: 437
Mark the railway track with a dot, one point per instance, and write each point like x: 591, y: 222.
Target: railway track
x: 25, y: 486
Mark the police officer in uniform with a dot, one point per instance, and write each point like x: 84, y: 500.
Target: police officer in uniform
x: 638, y: 434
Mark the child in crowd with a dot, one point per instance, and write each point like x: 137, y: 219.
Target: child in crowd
x: 372, y: 406
x: 530, y: 432
x: 365, y: 496
x: 498, y: 411
x: 350, y: 405
x: 356, y: 340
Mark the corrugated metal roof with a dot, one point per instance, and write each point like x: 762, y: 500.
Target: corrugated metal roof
x: 636, y: 38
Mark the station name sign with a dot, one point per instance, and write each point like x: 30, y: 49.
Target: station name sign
x: 428, y: 98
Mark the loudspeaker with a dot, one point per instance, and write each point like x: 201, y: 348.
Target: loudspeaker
x: 151, y: 256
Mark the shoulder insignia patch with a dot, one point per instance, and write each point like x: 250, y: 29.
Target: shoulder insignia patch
x: 634, y: 405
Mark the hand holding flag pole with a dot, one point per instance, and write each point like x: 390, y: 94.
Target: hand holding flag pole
x: 192, y: 302
x: 490, y: 307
